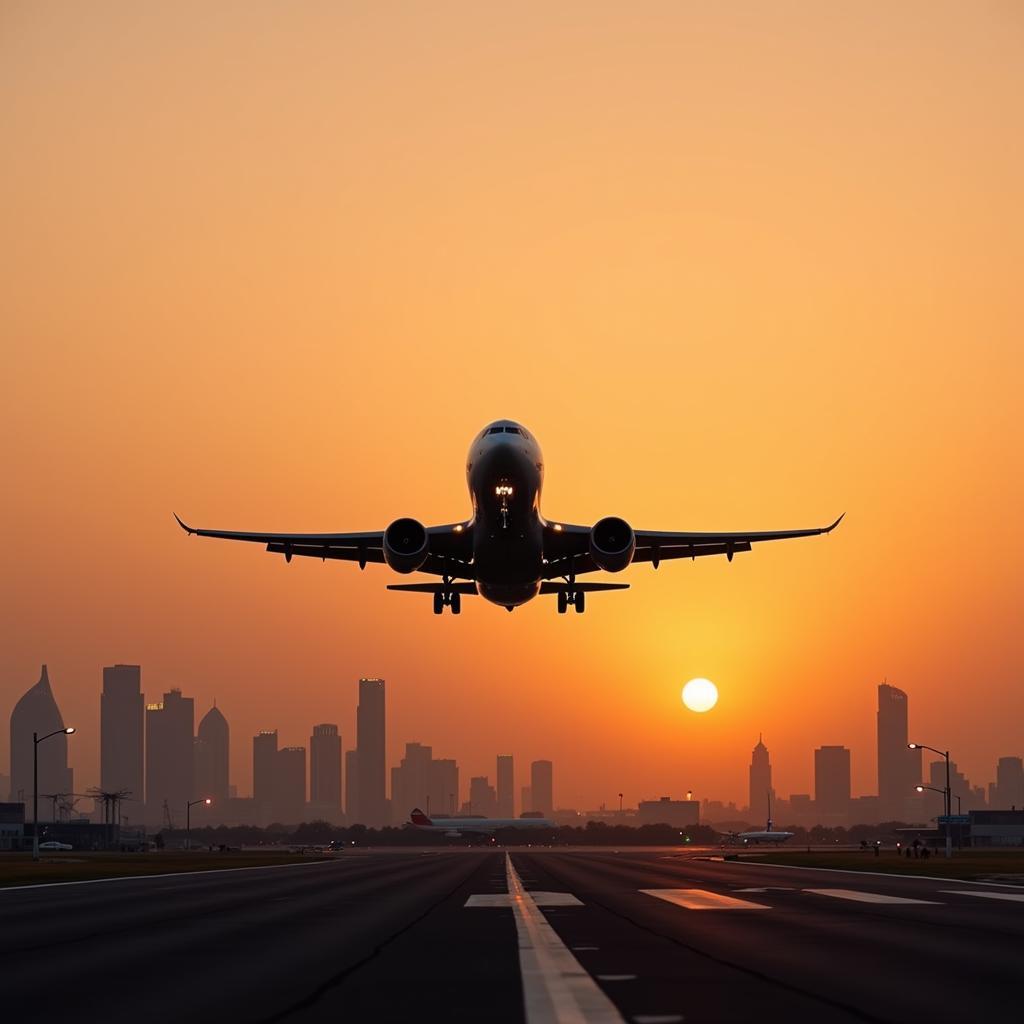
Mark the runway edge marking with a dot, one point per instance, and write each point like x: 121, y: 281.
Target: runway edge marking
x: 556, y: 988
x: 702, y: 899
x: 869, y: 874
x: 1015, y: 897
x: 859, y: 896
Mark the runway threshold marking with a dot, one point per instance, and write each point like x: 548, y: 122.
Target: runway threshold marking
x: 1014, y: 897
x: 867, y: 897
x: 556, y: 988
x: 702, y: 899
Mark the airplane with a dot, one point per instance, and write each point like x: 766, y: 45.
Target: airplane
x: 769, y: 835
x: 507, y: 551
x: 453, y: 828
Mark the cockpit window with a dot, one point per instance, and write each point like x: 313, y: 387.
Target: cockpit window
x: 512, y: 430
x: 496, y: 430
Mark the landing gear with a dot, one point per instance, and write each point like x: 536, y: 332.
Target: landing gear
x: 438, y: 602
x: 449, y: 597
x: 455, y: 600
x: 563, y: 602
x: 579, y: 602
x: 571, y: 596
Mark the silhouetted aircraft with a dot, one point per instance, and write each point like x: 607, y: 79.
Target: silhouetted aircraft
x: 507, y: 551
x: 455, y: 827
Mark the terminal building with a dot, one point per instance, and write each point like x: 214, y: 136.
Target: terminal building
x: 666, y: 811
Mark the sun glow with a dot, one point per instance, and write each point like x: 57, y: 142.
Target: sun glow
x: 700, y: 695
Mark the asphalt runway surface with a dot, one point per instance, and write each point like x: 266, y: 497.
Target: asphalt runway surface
x: 542, y: 936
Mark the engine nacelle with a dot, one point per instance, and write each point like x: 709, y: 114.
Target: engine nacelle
x: 612, y: 543
x: 406, y: 546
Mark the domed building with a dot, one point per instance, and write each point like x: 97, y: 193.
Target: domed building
x: 212, y: 748
x: 37, y: 712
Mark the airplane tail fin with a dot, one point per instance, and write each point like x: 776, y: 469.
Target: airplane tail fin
x: 419, y: 818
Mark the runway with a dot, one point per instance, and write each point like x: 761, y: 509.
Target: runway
x: 542, y: 936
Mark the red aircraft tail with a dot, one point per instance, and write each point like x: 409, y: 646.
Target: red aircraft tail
x: 419, y: 818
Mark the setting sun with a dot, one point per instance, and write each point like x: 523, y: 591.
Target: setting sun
x: 700, y: 695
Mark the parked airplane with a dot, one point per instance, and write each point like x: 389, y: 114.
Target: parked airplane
x: 506, y: 551
x: 769, y: 835
x: 455, y: 827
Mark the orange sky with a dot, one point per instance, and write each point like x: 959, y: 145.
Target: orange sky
x: 737, y: 266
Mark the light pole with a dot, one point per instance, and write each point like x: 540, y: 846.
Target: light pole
x: 945, y: 754
x: 188, y: 818
x: 36, y: 740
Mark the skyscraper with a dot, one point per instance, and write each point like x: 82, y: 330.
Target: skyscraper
x: 351, y: 786
x: 169, y: 757
x: 290, y: 786
x: 482, y: 797
x: 899, y: 768
x: 542, y: 787
x: 444, y: 786
x: 264, y: 769
x: 760, y: 784
x: 122, y: 728
x: 325, y: 771
x: 373, y: 806
x: 832, y: 785
x: 37, y: 712
x: 410, y: 782
x: 212, y: 757
x: 506, y: 787
x: 1009, y: 790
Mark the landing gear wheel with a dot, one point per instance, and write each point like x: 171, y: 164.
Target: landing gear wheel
x: 438, y: 603
x: 579, y: 602
x: 456, y: 602
x: 563, y: 602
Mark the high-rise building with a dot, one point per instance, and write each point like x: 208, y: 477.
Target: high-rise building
x: 410, y: 782
x: 542, y: 787
x: 899, y: 768
x: 169, y: 757
x: 1009, y: 788
x: 526, y: 800
x: 373, y: 805
x: 37, y: 712
x: 290, y: 786
x: 325, y: 771
x: 212, y: 757
x: 444, y: 787
x: 761, y: 792
x: 482, y: 797
x: 264, y: 770
x: 506, y: 787
x: 832, y: 785
x: 122, y: 729
x: 351, y: 786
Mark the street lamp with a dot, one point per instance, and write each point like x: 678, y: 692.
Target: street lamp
x: 36, y: 740
x: 959, y: 825
x: 945, y: 754
x: 188, y: 818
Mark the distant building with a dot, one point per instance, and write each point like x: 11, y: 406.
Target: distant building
x: 325, y: 771
x: 169, y: 757
x: 760, y: 777
x: 542, y: 787
x: 899, y: 768
x: 506, y: 787
x: 997, y: 828
x: 482, y: 797
x: 264, y: 769
x: 799, y: 810
x: 1009, y: 786
x: 212, y: 759
x: 832, y: 785
x: 666, y: 811
x: 122, y: 732
x: 37, y: 712
x: 370, y: 736
x: 410, y: 782
x: 351, y: 786
x: 526, y: 800
x: 290, y: 786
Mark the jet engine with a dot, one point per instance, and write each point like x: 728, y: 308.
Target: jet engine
x: 406, y: 546
x: 612, y: 543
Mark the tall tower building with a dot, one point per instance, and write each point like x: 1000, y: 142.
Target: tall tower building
x: 170, y: 729
x: 351, y: 787
x: 832, y: 785
x: 290, y: 786
x: 122, y: 728
x: 444, y: 786
x: 482, y: 797
x: 542, y: 787
x: 760, y: 783
x: 264, y: 770
x: 37, y: 712
x: 899, y: 768
x: 410, y: 782
x: 325, y: 771
x: 372, y: 789
x: 212, y: 755
x: 506, y: 787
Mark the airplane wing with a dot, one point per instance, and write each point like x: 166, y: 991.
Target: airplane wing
x: 450, y: 548
x: 570, y: 545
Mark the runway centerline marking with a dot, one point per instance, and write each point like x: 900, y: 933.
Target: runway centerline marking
x: 867, y: 897
x: 1014, y: 897
x: 542, y: 899
x: 702, y: 899
x: 556, y: 988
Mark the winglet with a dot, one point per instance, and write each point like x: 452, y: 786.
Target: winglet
x: 828, y: 529
x: 187, y: 529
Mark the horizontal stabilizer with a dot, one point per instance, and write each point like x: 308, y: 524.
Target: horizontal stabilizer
x: 587, y: 588
x: 434, y: 588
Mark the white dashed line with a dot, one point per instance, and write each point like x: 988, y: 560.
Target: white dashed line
x: 702, y: 899
x: 1012, y: 896
x: 542, y: 899
x: 867, y: 897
